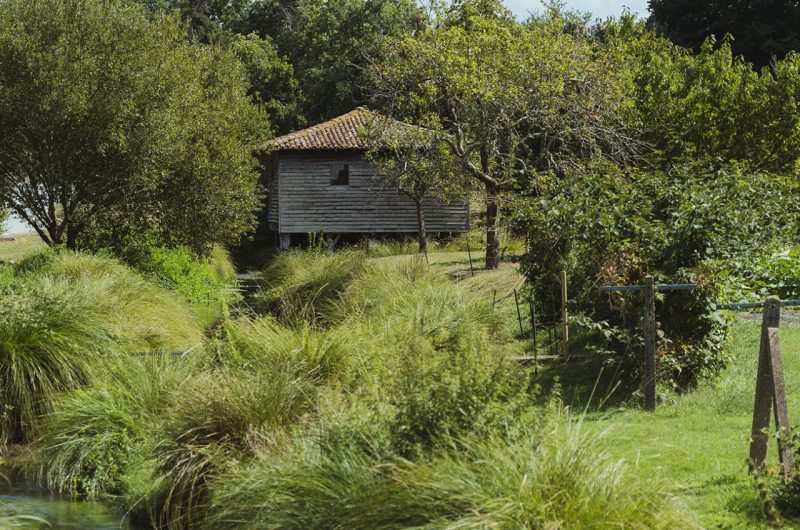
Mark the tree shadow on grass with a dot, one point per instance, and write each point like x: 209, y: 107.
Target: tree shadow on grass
x: 593, y: 383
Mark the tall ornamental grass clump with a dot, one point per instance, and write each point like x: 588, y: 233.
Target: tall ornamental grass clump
x: 64, y: 314
x: 431, y: 357
x: 556, y: 476
x: 154, y: 431
x: 301, y: 285
x: 316, y: 356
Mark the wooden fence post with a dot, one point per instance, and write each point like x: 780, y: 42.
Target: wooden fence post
x: 519, y: 315
x: 649, y: 344
x: 532, y: 308
x: 770, y: 394
x: 564, y: 316
x: 469, y: 255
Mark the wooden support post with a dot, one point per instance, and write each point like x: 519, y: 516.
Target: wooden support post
x: 564, y: 316
x: 469, y: 255
x: 533, y: 333
x: 494, y: 297
x: 781, y: 410
x: 770, y: 394
x: 533, y: 323
x: 519, y: 315
x: 332, y: 240
x: 649, y: 324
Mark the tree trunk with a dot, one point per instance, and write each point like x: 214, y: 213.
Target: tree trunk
x: 422, y: 234
x: 52, y: 231
x: 72, y: 237
x: 492, y: 226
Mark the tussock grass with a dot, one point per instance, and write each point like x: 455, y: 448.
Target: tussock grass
x: 380, y: 395
x: 315, y: 355
x: 300, y: 285
x: 61, y: 315
x: 92, y: 436
x: 392, y: 247
x: 555, y: 477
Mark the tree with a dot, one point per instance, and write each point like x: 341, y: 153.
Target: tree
x: 114, y: 123
x: 512, y: 102
x: 418, y: 164
x: 272, y: 83
x: 330, y: 45
x: 761, y: 29
x: 206, y: 20
x: 712, y: 104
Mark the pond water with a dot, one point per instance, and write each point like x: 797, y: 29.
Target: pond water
x: 31, y: 509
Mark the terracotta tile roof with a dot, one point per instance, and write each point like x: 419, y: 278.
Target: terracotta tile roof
x: 345, y: 132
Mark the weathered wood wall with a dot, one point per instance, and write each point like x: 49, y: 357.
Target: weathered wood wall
x: 307, y: 202
x: 270, y: 183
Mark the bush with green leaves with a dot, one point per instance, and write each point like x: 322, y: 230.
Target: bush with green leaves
x: 774, y: 271
x: 198, y: 279
x: 614, y: 226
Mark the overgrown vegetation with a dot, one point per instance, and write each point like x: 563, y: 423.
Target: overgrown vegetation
x: 363, y: 389
x: 64, y: 315
x: 696, y: 223
x: 399, y: 408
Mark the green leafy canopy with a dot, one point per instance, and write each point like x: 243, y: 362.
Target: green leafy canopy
x: 114, y: 123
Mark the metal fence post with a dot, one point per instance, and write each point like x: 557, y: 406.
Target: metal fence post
x: 564, y: 316
x: 649, y: 344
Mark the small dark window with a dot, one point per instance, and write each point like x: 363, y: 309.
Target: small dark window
x: 340, y: 175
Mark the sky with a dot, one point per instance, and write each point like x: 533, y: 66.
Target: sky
x: 599, y: 8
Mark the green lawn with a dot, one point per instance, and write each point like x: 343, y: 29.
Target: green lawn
x: 22, y: 245
x: 697, y: 442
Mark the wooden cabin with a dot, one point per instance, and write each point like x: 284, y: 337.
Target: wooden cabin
x: 318, y: 180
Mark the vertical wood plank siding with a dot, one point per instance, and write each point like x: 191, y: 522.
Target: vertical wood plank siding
x: 271, y: 186
x: 309, y: 203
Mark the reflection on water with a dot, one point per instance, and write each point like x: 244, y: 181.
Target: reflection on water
x: 26, y: 509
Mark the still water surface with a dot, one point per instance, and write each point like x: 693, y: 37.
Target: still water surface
x: 60, y: 513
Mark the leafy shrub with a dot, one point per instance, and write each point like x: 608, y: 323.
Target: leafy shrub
x: 615, y: 227
x: 780, y: 496
x: 196, y: 278
x: 756, y: 276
